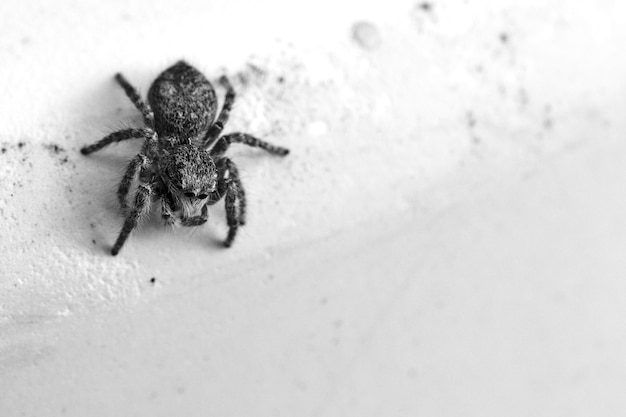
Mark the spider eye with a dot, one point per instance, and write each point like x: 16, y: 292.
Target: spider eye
x: 202, y: 196
x: 189, y: 194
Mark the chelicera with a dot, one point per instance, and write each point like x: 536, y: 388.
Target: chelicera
x: 182, y: 162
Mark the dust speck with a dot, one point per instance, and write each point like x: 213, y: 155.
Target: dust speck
x: 366, y: 35
x: 548, y: 120
x: 252, y: 74
x: 470, y: 119
x: 425, y: 6
x: 54, y: 148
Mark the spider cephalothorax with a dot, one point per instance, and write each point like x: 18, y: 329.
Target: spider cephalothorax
x: 189, y: 170
x: 190, y: 176
x: 182, y: 161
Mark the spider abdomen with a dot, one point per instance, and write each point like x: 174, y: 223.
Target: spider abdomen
x: 183, y: 101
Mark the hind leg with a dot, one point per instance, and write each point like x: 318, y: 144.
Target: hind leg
x: 216, y: 128
x: 133, y: 95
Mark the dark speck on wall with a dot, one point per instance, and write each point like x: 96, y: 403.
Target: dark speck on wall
x: 366, y: 35
x: 252, y: 74
x: 471, y: 119
x: 504, y: 37
x: 153, y: 280
x: 56, y: 150
x: 53, y: 147
x: 548, y: 121
x: 256, y: 69
x: 426, y: 6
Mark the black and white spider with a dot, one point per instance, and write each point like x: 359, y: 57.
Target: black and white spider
x: 182, y: 160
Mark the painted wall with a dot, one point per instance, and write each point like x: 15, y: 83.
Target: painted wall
x: 446, y: 237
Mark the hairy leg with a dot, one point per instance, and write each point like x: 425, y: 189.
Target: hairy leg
x: 133, y: 95
x: 142, y: 199
x: 230, y: 187
x: 227, y: 170
x: 216, y: 128
x: 138, y: 163
x: 233, y: 174
x: 167, y: 211
x: 119, y: 136
x: 230, y: 202
x: 224, y: 142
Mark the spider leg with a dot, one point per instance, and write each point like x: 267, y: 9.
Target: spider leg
x: 142, y: 199
x: 241, y: 193
x: 167, y: 212
x: 216, y: 128
x: 224, y: 142
x: 118, y: 136
x: 230, y: 201
x: 134, y: 96
x: 234, y: 197
x: 139, y: 162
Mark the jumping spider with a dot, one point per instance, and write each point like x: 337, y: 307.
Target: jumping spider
x: 182, y: 160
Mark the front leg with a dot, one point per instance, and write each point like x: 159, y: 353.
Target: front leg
x: 139, y: 163
x: 167, y: 211
x: 233, y: 174
x: 142, y: 198
x: 196, y: 220
x: 133, y: 95
x: 228, y: 172
x: 232, y: 217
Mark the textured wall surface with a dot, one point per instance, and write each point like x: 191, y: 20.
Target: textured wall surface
x: 446, y: 238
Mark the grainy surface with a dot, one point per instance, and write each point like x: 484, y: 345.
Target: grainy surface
x: 446, y: 237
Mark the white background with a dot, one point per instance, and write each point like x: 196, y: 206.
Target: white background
x: 446, y: 238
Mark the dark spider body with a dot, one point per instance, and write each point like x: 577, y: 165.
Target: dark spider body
x: 182, y: 161
x: 183, y: 101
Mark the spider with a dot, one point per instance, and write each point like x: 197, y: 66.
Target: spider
x: 182, y: 160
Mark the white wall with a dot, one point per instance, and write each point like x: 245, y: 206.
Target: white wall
x: 446, y: 237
